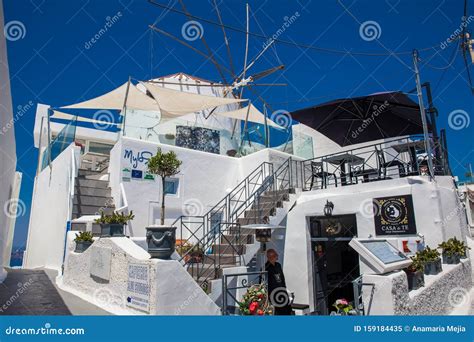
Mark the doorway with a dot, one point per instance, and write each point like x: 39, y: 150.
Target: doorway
x: 335, y: 263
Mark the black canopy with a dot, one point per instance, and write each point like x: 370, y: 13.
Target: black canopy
x: 366, y: 118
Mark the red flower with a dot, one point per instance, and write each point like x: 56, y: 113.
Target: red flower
x: 259, y: 312
x: 253, y: 306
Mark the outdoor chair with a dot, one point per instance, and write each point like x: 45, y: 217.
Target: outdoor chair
x: 318, y: 172
x: 384, y: 165
x: 362, y: 171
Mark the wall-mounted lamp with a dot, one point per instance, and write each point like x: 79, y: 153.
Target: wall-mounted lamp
x: 328, y: 208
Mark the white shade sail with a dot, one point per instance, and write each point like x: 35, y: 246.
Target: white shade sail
x: 254, y: 115
x: 65, y: 116
x: 177, y: 103
x: 115, y: 99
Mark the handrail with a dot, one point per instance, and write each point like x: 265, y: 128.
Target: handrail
x: 205, y: 232
x: 368, y: 161
x: 228, y: 195
x: 72, y: 183
x: 123, y: 198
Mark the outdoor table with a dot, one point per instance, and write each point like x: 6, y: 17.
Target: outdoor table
x: 410, y: 147
x: 342, y: 160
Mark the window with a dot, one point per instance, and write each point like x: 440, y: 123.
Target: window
x: 171, y: 186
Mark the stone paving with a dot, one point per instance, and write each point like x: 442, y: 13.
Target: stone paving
x: 34, y: 292
x: 30, y: 292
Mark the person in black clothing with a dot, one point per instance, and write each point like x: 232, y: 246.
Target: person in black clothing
x: 278, y: 294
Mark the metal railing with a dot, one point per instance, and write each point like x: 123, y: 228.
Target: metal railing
x: 217, y: 234
x: 358, y: 285
x: 240, y: 281
x: 386, y: 160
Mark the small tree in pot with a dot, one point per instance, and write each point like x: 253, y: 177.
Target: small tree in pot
x: 163, y: 165
x: 161, y: 239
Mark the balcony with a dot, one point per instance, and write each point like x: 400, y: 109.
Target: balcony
x: 391, y: 159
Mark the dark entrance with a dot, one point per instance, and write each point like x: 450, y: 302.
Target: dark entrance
x: 335, y: 263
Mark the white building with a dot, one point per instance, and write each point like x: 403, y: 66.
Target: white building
x: 323, y: 194
x: 10, y: 180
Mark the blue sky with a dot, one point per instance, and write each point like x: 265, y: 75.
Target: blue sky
x: 55, y: 63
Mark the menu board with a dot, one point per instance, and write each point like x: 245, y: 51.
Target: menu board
x: 384, y: 251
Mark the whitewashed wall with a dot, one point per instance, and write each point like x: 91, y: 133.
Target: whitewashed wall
x: 7, y: 153
x: 437, y: 215
x: 204, y: 180
x: 49, y: 212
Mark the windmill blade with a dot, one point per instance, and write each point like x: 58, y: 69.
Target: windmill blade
x: 226, y: 40
x: 209, y: 51
x: 255, y: 59
x: 207, y: 57
x: 267, y: 72
x: 246, y: 47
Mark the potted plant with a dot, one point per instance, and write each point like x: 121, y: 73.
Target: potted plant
x: 183, y: 249
x: 431, y: 260
x: 343, y: 307
x: 83, y: 241
x: 453, y: 250
x: 255, y: 301
x: 461, y: 247
x: 414, y: 272
x: 196, y: 254
x: 161, y: 239
x: 111, y: 225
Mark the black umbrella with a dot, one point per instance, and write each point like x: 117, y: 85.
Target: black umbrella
x: 366, y: 118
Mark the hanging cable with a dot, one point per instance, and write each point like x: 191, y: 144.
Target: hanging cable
x: 290, y: 43
x: 450, y: 63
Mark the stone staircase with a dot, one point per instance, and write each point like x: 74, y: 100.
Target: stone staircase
x: 233, y: 244
x: 91, y: 196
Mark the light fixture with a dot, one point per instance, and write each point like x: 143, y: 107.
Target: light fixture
x: 262, y: 231
x: 328, y: 208
x: 263, y: 234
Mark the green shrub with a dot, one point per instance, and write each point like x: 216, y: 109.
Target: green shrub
x: 114, y: 218
x: 453, y: 246
x: 84, y: 237
x: 428, y: 254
